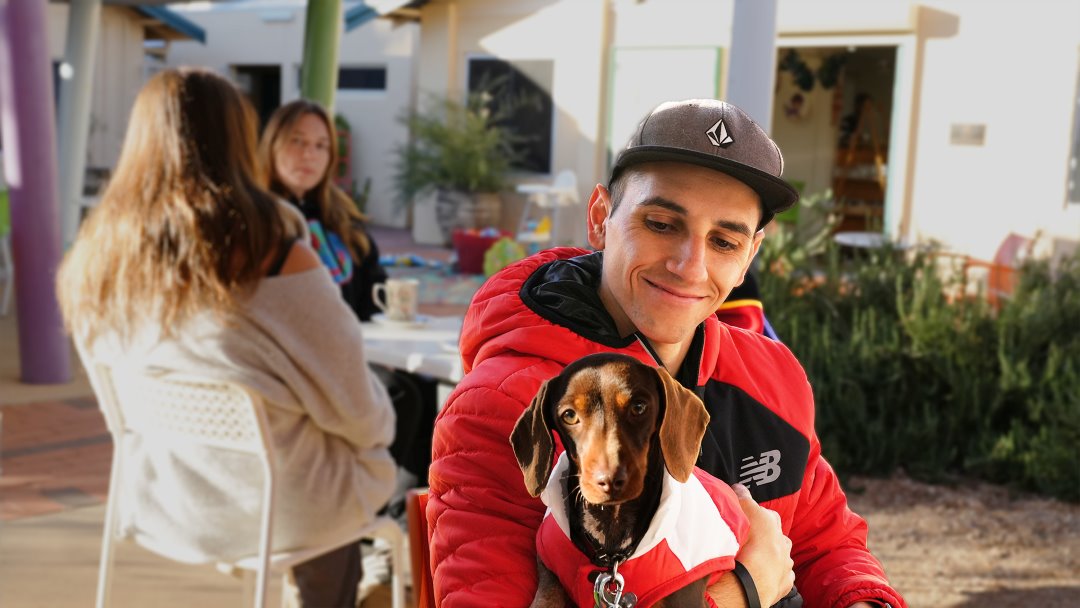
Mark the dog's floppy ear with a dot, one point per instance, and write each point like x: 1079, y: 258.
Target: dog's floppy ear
x: 532, y: 442
x: 683, y: 426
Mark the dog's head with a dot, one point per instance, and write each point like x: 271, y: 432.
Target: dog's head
x: 608, y: 409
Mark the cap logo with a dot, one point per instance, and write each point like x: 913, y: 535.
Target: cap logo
x: 718, y: 135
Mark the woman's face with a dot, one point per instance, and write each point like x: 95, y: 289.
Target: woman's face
x: 302, y: 156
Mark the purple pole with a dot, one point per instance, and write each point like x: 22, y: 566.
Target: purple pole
x: 29, y: 142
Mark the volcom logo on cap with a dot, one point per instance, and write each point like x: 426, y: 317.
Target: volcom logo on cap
x: 718, y: 135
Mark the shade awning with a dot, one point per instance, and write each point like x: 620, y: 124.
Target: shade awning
x: 167, y: 25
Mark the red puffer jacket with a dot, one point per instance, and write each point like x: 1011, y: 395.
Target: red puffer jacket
x: 533, y: 318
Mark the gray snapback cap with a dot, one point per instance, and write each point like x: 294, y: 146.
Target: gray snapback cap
x: 716, y: 135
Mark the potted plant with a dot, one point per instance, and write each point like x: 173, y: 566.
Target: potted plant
x: 457, y: 160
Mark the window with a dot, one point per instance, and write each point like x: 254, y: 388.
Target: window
x: 362, y: 79
x: 521, y: 89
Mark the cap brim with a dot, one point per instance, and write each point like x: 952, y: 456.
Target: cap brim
x: 776, y: 194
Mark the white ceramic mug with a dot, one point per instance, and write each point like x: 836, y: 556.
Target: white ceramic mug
x: 397, y: 298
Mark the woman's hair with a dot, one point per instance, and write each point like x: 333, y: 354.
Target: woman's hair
x: 338, y: 212
x: 184, y: 225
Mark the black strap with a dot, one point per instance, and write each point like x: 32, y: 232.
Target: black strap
x: 749, y: 588
x: 279, y: 261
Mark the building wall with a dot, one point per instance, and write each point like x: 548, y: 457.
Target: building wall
x: 604, y: 79
x: 1009, y: 70
x: 118, y: 76
x: 1015, y: 74
x: 570, y: 33
x: 273, y: 34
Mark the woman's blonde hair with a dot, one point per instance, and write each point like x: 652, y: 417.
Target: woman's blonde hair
x: 184, y: 225
x: 338, y: 212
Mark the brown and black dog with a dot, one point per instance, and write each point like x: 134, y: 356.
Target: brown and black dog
x: 621, y: 422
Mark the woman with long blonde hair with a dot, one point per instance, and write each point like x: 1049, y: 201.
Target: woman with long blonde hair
x: 188, y: 265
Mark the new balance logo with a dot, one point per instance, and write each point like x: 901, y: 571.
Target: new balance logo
x: 718, y: 135
x: 760, y: 471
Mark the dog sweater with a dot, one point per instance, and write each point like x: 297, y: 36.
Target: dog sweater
x: 696, y: 531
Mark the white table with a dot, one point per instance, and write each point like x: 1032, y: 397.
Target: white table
x: 860, y: 240
x: 428, y: 348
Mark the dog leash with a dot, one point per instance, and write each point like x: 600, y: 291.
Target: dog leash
x: 608, y: 590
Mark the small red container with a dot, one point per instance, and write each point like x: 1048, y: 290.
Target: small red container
x: 471, y: 247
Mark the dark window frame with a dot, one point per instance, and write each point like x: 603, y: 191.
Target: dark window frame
x: 375, y: 78
x: 532, y: 115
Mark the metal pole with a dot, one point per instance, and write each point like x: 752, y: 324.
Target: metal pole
x: 29, y: 141
x: 752, y: 67
x: 322, y: 35
x: 76, y: 85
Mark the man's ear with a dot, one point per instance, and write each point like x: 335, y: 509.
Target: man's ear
x: 597, y: 214
x: 755, y: 245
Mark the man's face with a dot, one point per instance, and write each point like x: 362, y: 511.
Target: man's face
x: 681, y: 238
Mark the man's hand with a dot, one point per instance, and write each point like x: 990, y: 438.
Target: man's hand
x: 766, y: 555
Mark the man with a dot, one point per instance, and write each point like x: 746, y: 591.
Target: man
x: 675, y: 232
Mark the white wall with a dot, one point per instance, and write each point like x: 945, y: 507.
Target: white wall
x: 273, y: 34
x: 1014, y: 69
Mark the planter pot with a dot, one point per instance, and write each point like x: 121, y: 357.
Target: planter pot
x: 457, y: 210
x: 425, y: 222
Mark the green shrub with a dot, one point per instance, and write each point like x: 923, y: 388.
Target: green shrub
x: 905, y: 378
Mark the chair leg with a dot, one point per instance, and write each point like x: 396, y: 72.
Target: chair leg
x: 397, y: 553
x: 108, y: 536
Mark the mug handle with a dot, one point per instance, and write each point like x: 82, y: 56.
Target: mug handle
x: 375, y: 290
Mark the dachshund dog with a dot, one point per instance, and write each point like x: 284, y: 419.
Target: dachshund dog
x: 620, y: 422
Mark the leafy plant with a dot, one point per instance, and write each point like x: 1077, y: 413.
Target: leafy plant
x: 454, y: 146
x: 906, y: 376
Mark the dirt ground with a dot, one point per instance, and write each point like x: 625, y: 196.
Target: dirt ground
x: 971, y: 544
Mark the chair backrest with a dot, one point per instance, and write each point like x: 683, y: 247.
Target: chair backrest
x: 419, y: 555
x: 182, y: 408
x: 564, y: 186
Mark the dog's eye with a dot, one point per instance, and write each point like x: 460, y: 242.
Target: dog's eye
x: 637, y: 408
x: 569, y: 416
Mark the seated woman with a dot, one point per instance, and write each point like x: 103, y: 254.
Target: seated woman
x: 298, y: 152
x: 188, y: 265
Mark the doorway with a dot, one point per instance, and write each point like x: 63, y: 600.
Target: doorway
x: 832, y: 117
x: 262, y: 84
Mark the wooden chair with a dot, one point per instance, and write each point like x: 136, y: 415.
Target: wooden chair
x: 416, y: 514
x: 183, y: 410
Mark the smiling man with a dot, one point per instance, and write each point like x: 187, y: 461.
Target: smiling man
x: 675, y: 231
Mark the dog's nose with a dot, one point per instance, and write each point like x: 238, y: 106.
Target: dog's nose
x: 611, y: 482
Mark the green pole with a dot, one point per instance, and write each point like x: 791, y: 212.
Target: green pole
x: 322, y: 35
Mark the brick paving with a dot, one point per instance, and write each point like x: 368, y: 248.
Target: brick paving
x: 54, y: 455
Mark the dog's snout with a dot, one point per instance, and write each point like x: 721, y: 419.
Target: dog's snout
x: 611, y: 482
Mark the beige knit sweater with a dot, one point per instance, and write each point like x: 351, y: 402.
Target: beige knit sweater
x: 298, y: 345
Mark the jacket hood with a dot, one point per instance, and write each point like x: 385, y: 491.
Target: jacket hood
x: 546, y: 305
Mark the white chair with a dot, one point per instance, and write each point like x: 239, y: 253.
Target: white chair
x: 547, y: 199
x: 176, y: 408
